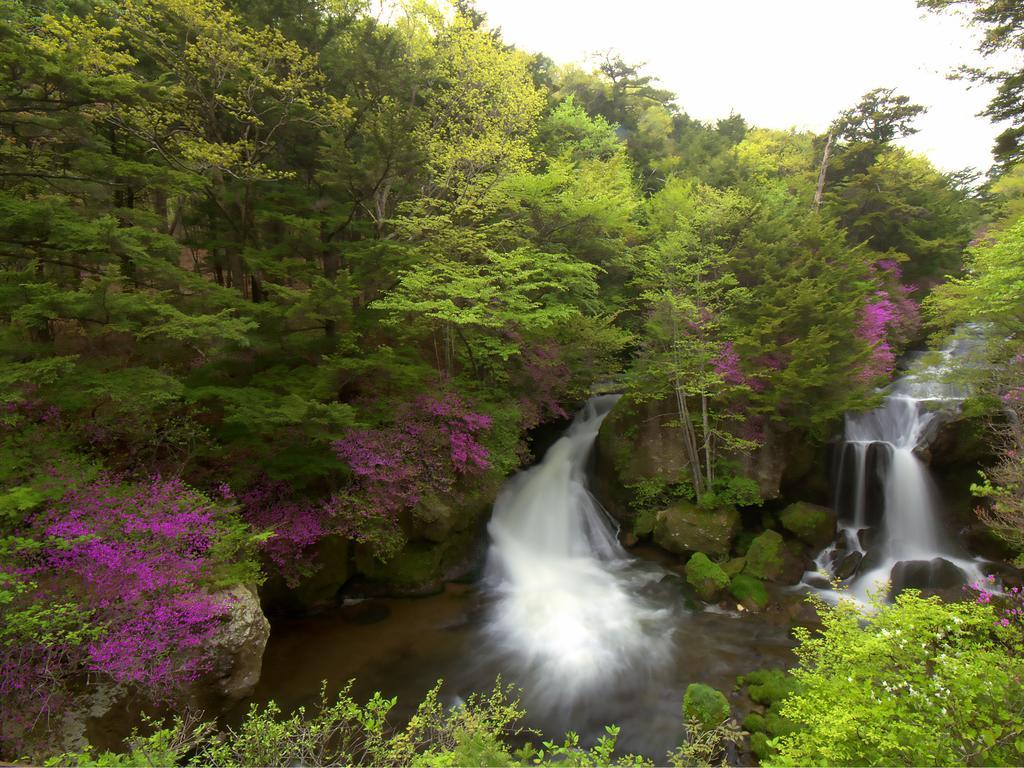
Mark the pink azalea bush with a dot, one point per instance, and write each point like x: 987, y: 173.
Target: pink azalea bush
x: 889, y: 318
x: 119, y: 580
x: 432, y: 442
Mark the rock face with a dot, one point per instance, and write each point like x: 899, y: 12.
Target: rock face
x: 237, y: 649
x: 684, y: 527
x: 811, y: 523
x: 445, y: 543
x: 316, y: 592
x: 636, y: 444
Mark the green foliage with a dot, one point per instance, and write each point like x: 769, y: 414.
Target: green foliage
x: 340, y: 731
x: 914, y: 682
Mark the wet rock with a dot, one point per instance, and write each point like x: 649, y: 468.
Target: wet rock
x: 848, y: 565
x: 935, y: 574
x: 629, y: 539
x: 684, y: 527
x: 236, y: 649
x: 866, y: 538
x: 813, y: 524
x: 878, y: 463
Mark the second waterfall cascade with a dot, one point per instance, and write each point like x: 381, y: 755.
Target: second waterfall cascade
x: 890, y: 526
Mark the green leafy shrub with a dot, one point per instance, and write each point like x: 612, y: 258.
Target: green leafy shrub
x: 915, y: 682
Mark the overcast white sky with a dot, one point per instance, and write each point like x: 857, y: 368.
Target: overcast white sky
x: 779, y: 63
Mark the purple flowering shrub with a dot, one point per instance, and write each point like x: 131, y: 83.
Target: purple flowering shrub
x: 431, y: 444
x: 117, y: 580
x: 295, y: 525
x: 1007, y: 604
x: 888, y: 320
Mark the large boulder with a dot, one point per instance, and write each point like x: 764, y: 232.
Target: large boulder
x: 769, y: 558
x: 236, y: 649
x: 685, y: 527
x: 813, y: 524
x: 707, y: 579
x: 935, y: 575
x: 749, y: 592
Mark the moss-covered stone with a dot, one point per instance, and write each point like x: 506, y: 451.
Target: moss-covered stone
x: 759, y: 745
x: 420, y: 567
x: 707, y: 706
x: 742, y: 543
x: 750, y: 592
x: 812, y: 524
x: 754, y: 722
x: 643, y: 523
x: 766, y: 556
x: 707, y: 578
x: 734, y: 566
x: 768, y: 686
x: 684, y: 527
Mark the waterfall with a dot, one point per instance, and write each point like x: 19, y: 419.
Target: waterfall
x: 888, y: 507
x: 569, y: 613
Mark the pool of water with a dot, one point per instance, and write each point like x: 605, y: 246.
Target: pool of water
x: 402, y: 646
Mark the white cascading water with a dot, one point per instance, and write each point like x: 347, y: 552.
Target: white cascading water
x: 569, y: 616
x: 884, y: 441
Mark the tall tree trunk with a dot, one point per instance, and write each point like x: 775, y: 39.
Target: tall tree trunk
x: 823, y: 172
x: 708, y: 467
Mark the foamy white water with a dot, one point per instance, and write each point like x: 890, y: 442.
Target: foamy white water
x: 569, y: 614
x: 879, y: 451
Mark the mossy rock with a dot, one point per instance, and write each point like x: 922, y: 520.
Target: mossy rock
x: 707, y: 578
x: 420, y: 567
x: 754, y: 722
x: 643, y: 523
x: 734, y: 566
x: 759, y: 746
x: 768, y: 686
x: 769, y: 558
x: 685, y: 527
x: 812, y: 524
x: 706, y: 705
x: 742, y: 543
x: 750, y: 592
x: 416, y: 566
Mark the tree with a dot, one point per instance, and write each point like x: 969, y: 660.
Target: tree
x: 1003, y: 24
